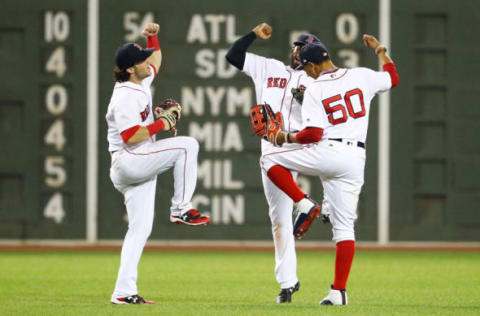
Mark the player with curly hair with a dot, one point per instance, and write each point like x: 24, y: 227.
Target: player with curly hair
x: 137, y: 158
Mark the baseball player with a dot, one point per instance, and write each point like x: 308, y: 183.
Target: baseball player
x: 274, y: 82
x: 137, y: 158
x: 335, y: 114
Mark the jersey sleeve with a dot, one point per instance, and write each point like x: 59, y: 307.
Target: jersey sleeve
x: 377, y: 81
x: 255, y: 66
x: 147, y: 82
x: 313, y: 114
x: 127, y: 113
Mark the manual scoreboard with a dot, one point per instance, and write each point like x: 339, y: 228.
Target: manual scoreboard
x: 43, y: 113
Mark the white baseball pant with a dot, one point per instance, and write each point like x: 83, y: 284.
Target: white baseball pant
x: 134, y: 173
x: 280, y: 208
x: 340, y: 167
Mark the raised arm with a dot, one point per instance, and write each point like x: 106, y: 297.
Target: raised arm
x: 236, y: 53
x: 150, y: 32
x: 381, y: 51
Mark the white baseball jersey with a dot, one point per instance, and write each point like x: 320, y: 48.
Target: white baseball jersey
x: 339, y: 101
x: 273, y: 84
x: 130, y: 105
x: 134, y: 172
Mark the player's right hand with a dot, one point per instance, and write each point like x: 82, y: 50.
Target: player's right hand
x: 263, y: 31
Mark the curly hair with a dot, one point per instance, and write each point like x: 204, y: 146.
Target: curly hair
x: 120, y: 75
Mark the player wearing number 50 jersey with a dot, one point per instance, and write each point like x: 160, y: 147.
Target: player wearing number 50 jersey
x: 335, y: 114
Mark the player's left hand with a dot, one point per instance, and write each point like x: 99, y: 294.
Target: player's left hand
x: 151, y: 29
x: 273, y: 128
x: 370, y: 41
x: 168, y: 107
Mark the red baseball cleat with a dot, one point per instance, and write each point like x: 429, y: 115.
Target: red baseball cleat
x: 307, y: 211
x: 191, y: 217
x: 133, y: 299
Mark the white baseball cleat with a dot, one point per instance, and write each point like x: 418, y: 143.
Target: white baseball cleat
x: 335, y: 297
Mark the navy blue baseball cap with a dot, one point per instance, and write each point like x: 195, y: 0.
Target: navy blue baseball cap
x: 313, y: 52
x: 131, y: 54
x: 305, y: 39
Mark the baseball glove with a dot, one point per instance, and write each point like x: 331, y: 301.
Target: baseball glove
x: 171, y: 111
x: 169, y: 105
x: 266, y: 123
x: 298, y: 94
x: 258, y: 119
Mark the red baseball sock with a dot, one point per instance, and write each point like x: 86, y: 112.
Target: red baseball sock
x: 343, y: 263
x: 283, y: 179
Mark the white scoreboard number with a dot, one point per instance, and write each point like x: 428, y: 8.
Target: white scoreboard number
x: 347, y: 30
x: 57, y: 30
x: 134, y: 24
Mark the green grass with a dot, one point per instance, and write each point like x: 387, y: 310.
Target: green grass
x: 243, y: 283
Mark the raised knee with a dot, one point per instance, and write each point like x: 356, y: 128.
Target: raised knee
x: 266, y: 163
x: 262, y: 161
x: 192, y: 144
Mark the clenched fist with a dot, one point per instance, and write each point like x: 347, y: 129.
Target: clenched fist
x: 151, y: 29
x: 263, y: 31
x: 371, y: 41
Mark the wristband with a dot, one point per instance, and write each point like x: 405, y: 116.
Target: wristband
x: 380, y: 49
x: 152, y: 42
x: 155, y: 127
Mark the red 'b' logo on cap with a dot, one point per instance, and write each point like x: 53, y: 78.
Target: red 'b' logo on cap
x: 309, y: 39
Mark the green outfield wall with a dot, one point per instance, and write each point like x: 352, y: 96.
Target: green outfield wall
x: 435, y: 115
